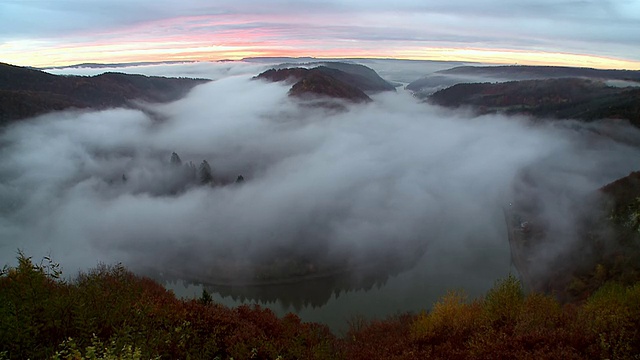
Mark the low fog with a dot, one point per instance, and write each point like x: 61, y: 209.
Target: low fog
x: 204, y: 70
x: 394, y: 175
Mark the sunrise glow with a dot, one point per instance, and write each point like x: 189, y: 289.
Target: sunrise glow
x: 233, y: 37
x: 51, y: 54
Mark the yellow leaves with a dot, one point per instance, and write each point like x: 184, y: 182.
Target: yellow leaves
x: 97, y: 351
x: 609, y: 308
x: 539, y: 312
x: 600, y: 274
x: 503, y: 303
x: 612, y: 314
x: 451, y: 316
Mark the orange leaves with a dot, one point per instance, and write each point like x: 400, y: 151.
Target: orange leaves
x: 612, y: 314
x: 506, y: 324
x: 38, y: 314
x: 539, y: 313
x: 450, y: 317
x: 388, y: 339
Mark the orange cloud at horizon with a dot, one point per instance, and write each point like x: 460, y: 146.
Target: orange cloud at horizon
x: 520, y: 57
x: 57, y: 56
x: 210, y: 38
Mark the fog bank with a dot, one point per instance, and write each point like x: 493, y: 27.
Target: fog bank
x: 389, y: 176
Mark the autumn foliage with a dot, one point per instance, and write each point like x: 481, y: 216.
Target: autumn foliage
x: 109, y: 312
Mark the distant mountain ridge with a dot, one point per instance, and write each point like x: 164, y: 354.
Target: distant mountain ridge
x: 28, y: 92
x: 563, y: 98
x: 439, y: 80
x: 308, y: 83
x: 524, y: 72
x: 360, y: 76
x: 116, y: 65
x: 349, y: 82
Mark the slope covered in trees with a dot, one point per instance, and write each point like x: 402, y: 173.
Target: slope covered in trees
x: 349, y: 82
x: 605, y: 246
x: 318, y: 83
x: 567, y: 98
x: 27, y: 92
x: 477, y: 74
x: 360, y: 76
x: 524, y: 72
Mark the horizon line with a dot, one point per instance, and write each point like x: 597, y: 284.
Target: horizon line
x: 150, y: 62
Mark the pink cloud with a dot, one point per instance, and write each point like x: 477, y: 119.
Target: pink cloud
x: 212, y: 37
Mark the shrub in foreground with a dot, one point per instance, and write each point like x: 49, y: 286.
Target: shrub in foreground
x: 110, y: 313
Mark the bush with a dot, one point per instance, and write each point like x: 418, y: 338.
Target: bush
x: 503, y: 303
x: 34, y: 308
x: 612, y: 315
x: 451, y: 319
x: 110, y: 313
x: 97, y: 351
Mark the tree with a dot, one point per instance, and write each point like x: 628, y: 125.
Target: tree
x: 204, y: 173
x: 205, y: 298
x: 175, y: 159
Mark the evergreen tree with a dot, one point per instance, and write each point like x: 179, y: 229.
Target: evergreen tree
x: 206, y: 298
x: 204, y: 173
x: 175, y: 159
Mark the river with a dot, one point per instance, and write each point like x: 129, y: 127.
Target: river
x: 467, y: 263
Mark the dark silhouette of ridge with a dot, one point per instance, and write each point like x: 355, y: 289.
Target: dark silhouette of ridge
x: 319, y: 83
x: 28, y: 92
x: 462, y: 74
x: 566, y: 98
x: 360, y: 76
x: 525, y: 72
x: 349, y: 82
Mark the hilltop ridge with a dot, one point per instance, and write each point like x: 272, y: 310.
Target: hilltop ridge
x: 28, y: 92
x: 351, y: 82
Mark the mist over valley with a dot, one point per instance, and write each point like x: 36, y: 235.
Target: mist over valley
x: 261, y: 194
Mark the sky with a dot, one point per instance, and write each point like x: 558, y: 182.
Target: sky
x: 591, y: 33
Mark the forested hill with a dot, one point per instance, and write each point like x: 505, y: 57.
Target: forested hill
x: 359, y: 76
x: 27, y: 92
x: 566, y: 98
x: 477, y: 74
x: 308, y: 83
x: 345, y: 81
x: 543, y: 72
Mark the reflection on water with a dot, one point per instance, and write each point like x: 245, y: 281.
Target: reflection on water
x: 471, y: 264
x: 313, y: 293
